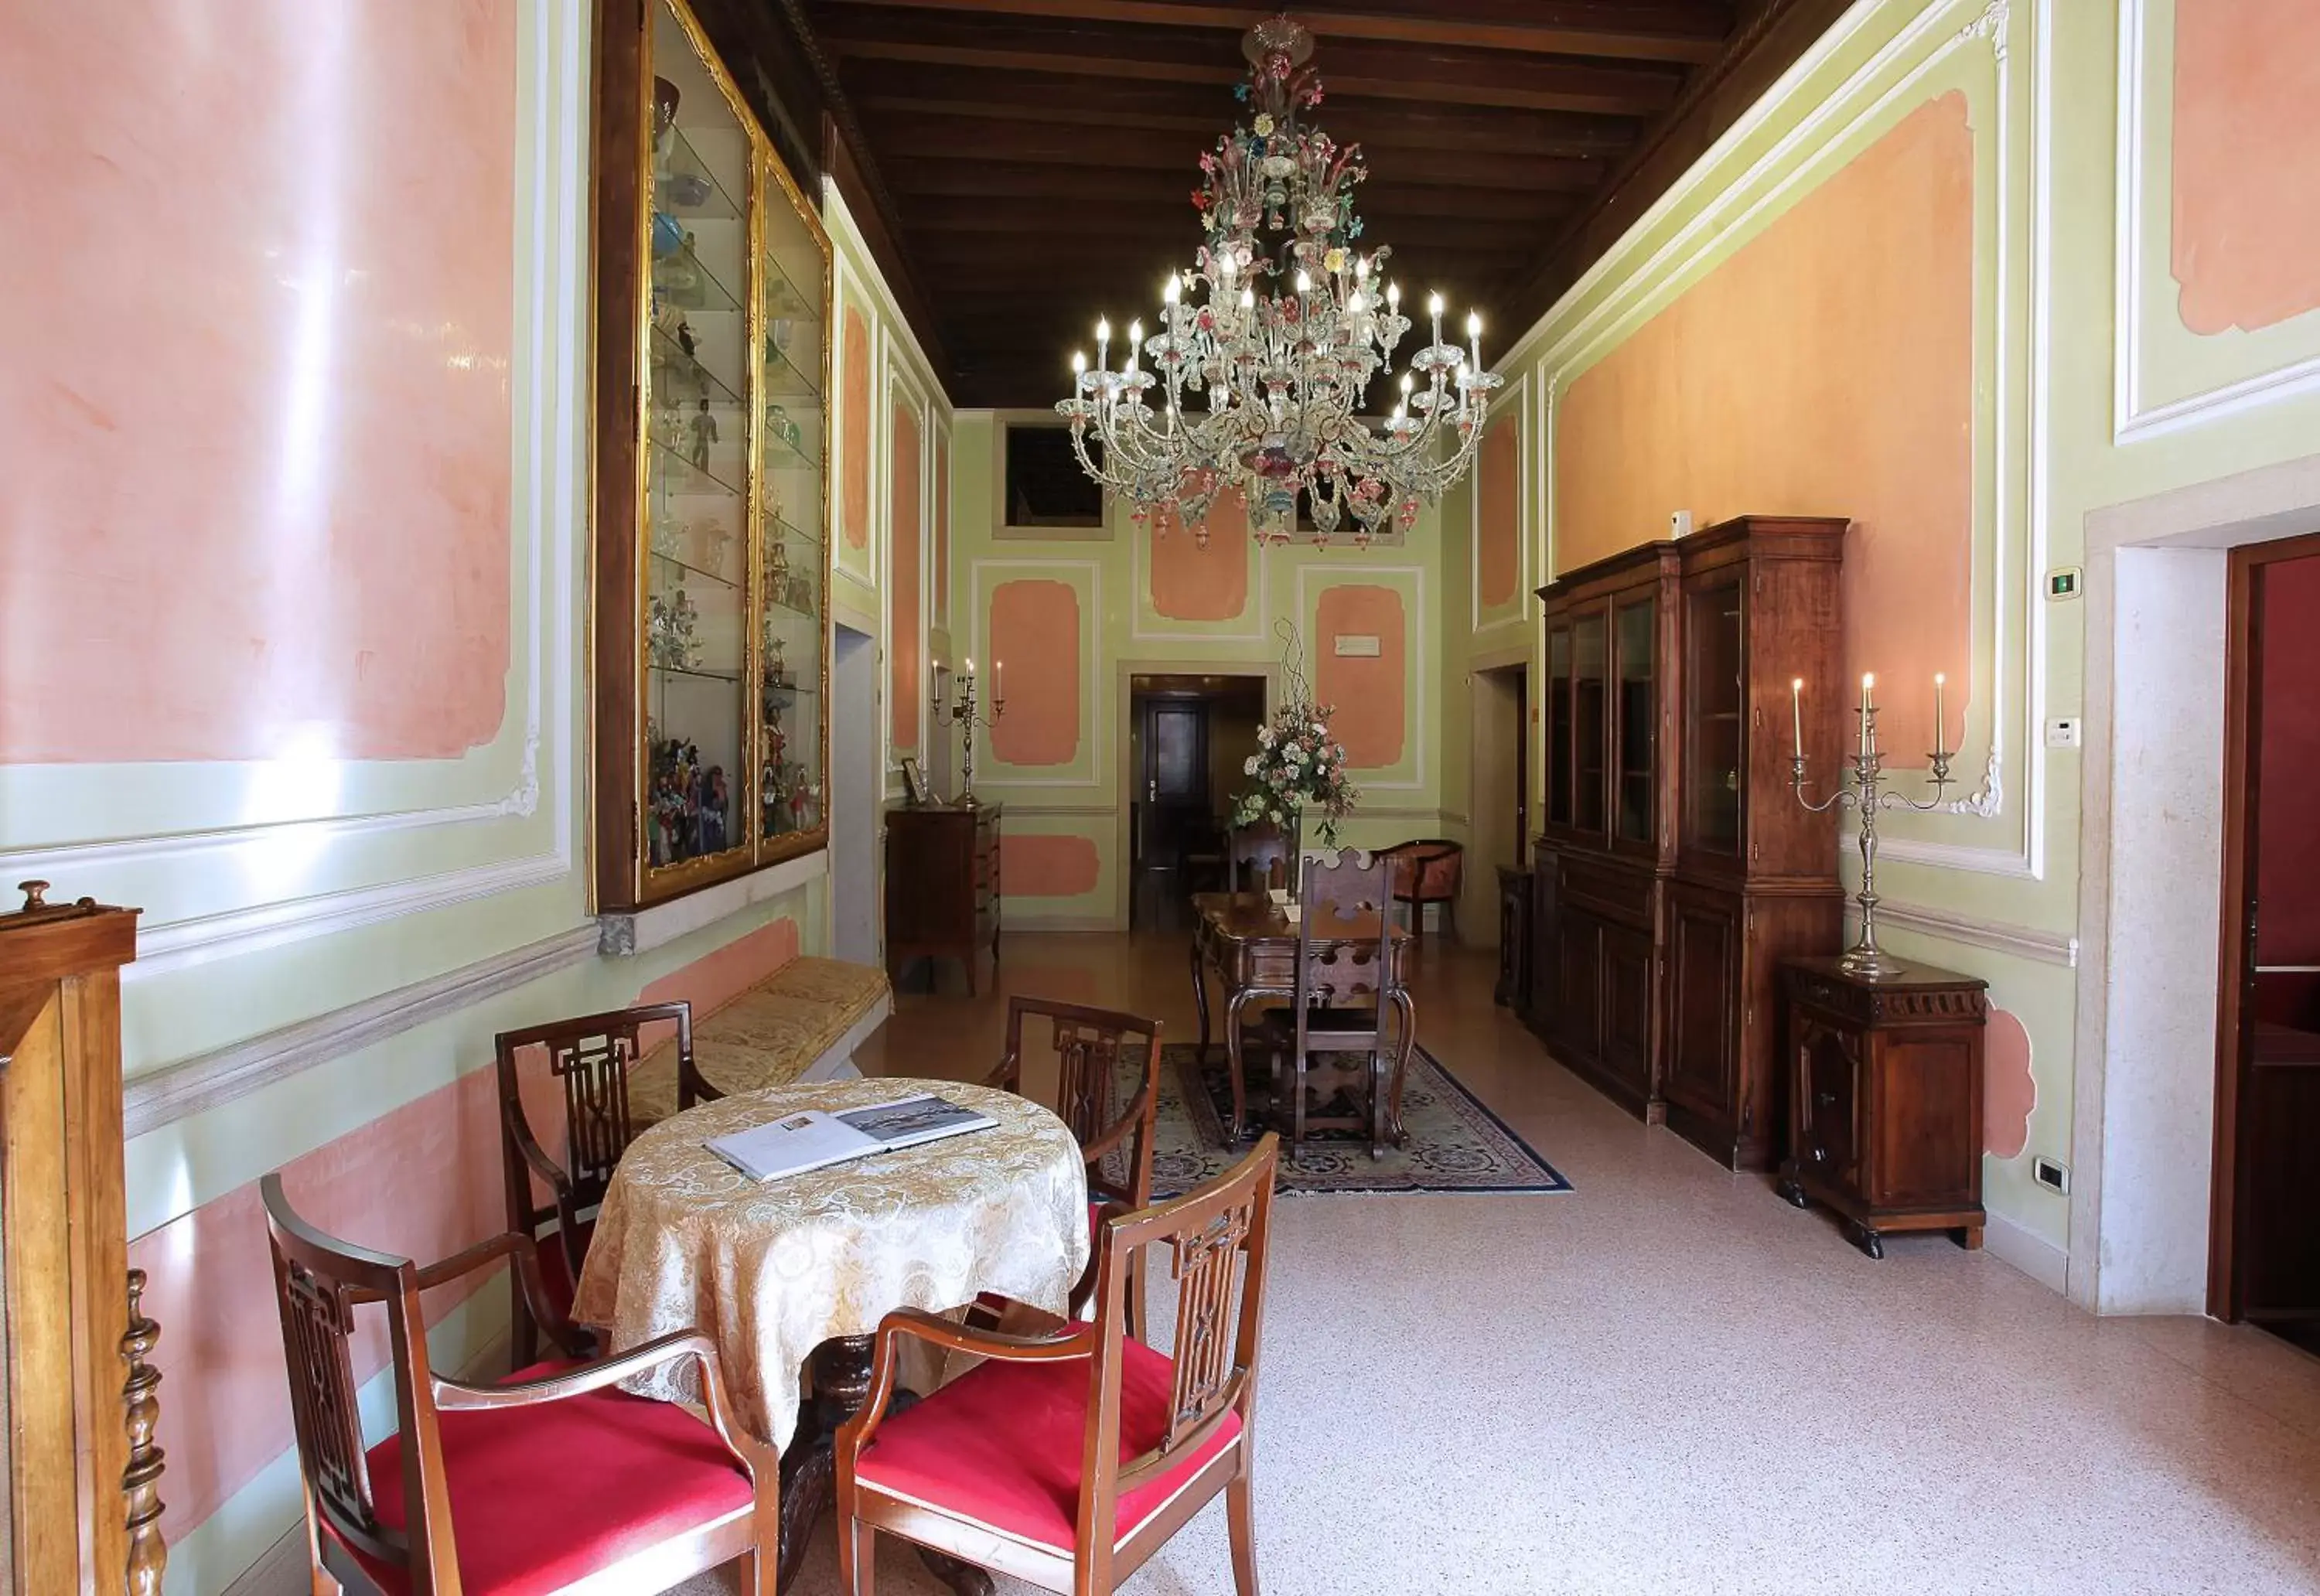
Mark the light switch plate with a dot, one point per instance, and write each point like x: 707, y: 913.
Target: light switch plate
x: 2063, y: 733
x: 2053, y: 1174
x: 2065, y: 582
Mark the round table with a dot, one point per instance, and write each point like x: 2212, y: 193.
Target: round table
x: 774, y: 1270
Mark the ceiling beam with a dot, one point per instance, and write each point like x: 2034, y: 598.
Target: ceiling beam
x: 1070, y: 185
x: 1683, y: 34
x: 1381, y: 71
x: 1172, y: 222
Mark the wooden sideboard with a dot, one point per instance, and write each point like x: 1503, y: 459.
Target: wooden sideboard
x: 1885, y: 1099
x: 942, y: 884
x: 83, y: 1511
x: 1674, y: 870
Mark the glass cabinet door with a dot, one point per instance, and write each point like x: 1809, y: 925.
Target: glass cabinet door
x: 1558, y: 725
x: 1636, y: 628
x: 792, y: 547
x: 1717, y: 744
x: 1591, y: 719
x: 697, y: 621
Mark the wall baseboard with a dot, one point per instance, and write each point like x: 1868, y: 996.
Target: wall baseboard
x: 210, y: 1080
x: 2034, y: 1255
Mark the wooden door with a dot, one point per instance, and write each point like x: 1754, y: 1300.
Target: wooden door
x: 2264, y: 1253
x: 1176, y: 777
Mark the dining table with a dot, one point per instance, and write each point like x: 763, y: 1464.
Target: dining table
x: 1248, y: 942
x: 790, y: 1276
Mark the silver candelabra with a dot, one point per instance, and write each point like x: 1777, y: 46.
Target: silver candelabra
x: 1864, y: 959
x: 964, y: 713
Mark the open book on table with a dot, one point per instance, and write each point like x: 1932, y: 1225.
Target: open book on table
x: 812, y: 1139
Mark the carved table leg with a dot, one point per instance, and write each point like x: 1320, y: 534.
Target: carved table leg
x: 1866, y: 1240
x: 841, y: 1384
x: 141, y: 1481
x: 1407, y: 1007
x: 1201, y: 996
x: 1237, y: 1068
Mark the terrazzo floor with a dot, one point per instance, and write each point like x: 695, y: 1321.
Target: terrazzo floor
x: 1671, y: 1382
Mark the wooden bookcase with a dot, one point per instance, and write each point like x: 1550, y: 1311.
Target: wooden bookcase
x: 1674, y: 868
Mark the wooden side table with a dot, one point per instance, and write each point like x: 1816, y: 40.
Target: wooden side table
x: 1885, y: 1099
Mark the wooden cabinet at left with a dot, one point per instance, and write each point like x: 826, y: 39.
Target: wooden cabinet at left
x: 711, y: 641
x: 83, y: 1510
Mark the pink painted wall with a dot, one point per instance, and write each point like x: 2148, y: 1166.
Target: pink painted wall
x: 259, y: 325
x: 715, y: 980
x: 1189, y: 583
x: 1048, y: 866
x: 2246, y: 241
x: 905, y: 651
x: 2287, y: 844
x: 422, y: 1181
x: 1825, y: 368
x: 854, y: 410
x: 2008, y: 1090
x: 1370, y: 693
x: 1497, y: 548
x: 1035, y: 631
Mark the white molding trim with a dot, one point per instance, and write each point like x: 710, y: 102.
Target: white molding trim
x: 2131, y: 418
x: 620, y: 935
x: 210, y: 1080
x: 2048, y: 948
x: 2010, y: 1242
x: 178, y: 945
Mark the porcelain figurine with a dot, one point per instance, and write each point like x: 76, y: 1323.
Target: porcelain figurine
x: 703, y: 431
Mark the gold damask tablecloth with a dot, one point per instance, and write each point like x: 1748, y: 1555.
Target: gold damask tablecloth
x: 770, y: 1269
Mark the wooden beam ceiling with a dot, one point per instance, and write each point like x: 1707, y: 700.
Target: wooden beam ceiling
x: 1033, y: 160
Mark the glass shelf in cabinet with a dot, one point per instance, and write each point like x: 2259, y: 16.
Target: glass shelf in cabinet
x: 683, y: 568
x: 670, y: 354
x: 711, y: 296
x: 694, y: 672
x: 683, y: 477
x: 688, y: 186
x: 784, y: 298
x: 784, y: 376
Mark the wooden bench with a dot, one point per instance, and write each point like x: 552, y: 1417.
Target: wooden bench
x: 801, y: 1023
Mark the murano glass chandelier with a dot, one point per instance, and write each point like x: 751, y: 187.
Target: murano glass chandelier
x: 1258, y: 378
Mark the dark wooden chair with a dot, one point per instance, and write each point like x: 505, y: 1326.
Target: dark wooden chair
x: 589, y: 1059
x: 1116, y: 1141
x: 1264, y: 850
x: 1339, y: 1010
x: 1068, y: 1458
x: 1427, y: 870
x: 554, y: 1476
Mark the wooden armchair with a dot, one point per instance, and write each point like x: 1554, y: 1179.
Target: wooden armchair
x: 1068, y: 1458
x: 1427, y: 870
x: 588, y: 1059
x: 1116, y: 1142
x: 1343, y: 984
x: 554, y: 1476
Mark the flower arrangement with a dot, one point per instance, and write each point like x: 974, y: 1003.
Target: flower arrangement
x: 1298, y: 766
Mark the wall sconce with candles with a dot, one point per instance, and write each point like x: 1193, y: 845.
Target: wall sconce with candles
x: 1864, y: 959
x: 966, y: 712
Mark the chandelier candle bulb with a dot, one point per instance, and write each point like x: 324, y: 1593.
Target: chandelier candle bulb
x: 1474, y: 337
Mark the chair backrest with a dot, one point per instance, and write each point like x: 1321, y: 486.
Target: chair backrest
x: 1263, y: 847
x: 1216, y: 1240
x: 1426, y: 869
x: 318, y: 1280
x: 1091, y: 1046
x: 588, y: 1059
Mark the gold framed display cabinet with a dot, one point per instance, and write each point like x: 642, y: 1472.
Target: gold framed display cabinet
x: 711, y: 651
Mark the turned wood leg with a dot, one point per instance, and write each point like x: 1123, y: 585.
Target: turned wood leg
x: 1407, y: 1007
x: 1201, y: 996
x: 1236, y: 1066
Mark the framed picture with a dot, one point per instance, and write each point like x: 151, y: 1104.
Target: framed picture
x: 915, y: 785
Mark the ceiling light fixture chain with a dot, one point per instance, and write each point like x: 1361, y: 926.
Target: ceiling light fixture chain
x: 1257, y: 380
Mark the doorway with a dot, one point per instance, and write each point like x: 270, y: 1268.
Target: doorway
x: 1501, y: 794
x: 2264, y: 1252
x: 855, y: 809
x: 1188, y: 736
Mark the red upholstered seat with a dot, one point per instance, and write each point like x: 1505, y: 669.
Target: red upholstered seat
x: 544, y: 1495
x: 1002, y: 1445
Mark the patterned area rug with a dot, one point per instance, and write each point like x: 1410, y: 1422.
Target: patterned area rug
x: 1456, y: 1144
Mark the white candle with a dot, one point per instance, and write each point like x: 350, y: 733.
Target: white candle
x: 1102, y: 345
x: 1797, y: 711
x: 1868, y: 681
x: 1474, y: 337
x: 1941, y: 721
x: 997, y: 679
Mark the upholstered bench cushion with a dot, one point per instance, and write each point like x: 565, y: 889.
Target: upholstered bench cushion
x: 769, y: 1036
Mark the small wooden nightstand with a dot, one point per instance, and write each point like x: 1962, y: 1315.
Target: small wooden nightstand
x: 1885, y: 1099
